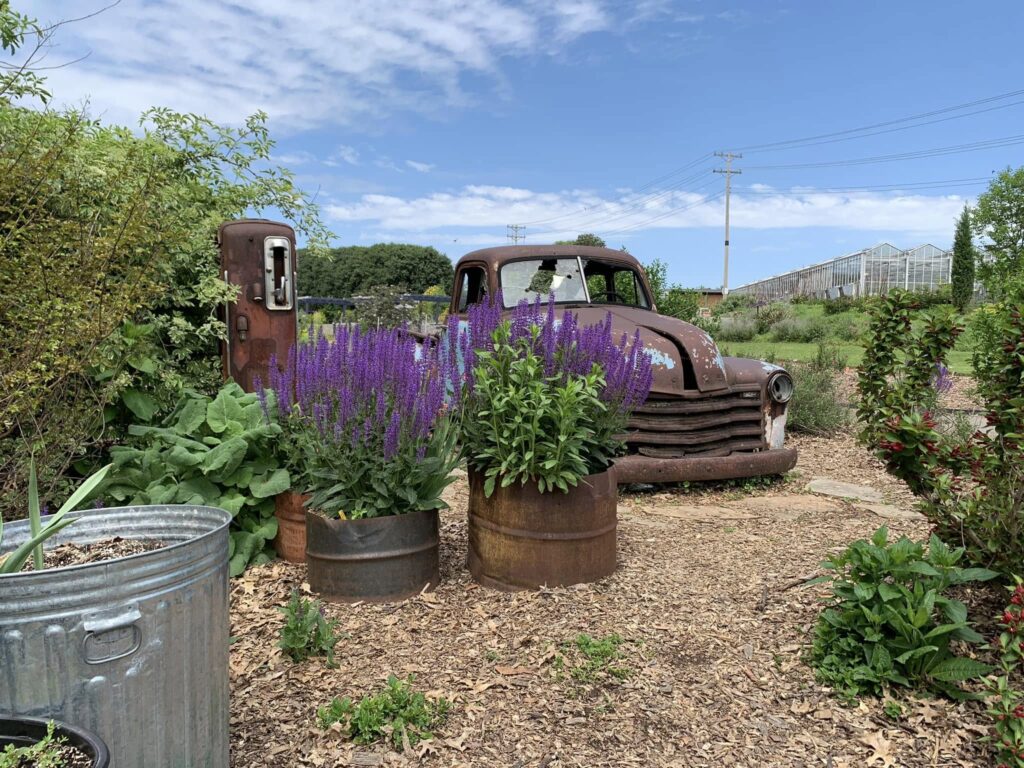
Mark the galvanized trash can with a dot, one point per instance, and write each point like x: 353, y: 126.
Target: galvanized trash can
x: 136, y: 648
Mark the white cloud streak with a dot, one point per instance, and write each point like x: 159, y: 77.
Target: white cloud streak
x: 573, y: 211
x: 305, y: 62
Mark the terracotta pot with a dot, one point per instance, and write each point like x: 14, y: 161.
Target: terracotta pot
x: 290, y: 541
x: 378, y: 559
x: 520, y: 538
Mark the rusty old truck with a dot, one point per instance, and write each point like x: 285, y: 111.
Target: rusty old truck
x: 708, y: 417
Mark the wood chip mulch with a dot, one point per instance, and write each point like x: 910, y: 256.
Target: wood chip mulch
x: 714, y: 615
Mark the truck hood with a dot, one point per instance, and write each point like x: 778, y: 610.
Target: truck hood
x: 667, y: 340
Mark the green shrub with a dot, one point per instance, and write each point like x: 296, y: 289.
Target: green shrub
x: 845, y: 327
x: 770, y: 315
x: 839, y: 305
x: 889, y: 622
x: 815, y: 408
x: 397, y: 713
x: 736, y: 328
x: 1006, y: 699
x: 799, y: 329
x: 218, y: 452
x: 972, y: 494
x: 307, y: 631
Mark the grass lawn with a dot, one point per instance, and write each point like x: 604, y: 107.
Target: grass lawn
x: 781, y: 351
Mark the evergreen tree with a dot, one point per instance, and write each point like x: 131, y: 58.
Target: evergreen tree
x: 962, y: 276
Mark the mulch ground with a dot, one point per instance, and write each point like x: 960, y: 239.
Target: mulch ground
x: 708, y: 598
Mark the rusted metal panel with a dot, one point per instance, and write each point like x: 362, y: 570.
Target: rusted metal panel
x: 646, y: 469
x: 518, y: 541
x: 258, y: 256
x: 377, y: 559
x: 290, y: 542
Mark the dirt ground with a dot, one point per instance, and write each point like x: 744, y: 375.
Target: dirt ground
x: 710, y: 603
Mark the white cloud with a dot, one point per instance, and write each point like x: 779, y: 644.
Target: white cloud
x: 305, y: 62
x: 568, y: 212
x: 343, y: 154
x: 421, y: 167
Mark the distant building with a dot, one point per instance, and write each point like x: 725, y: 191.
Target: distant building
x: 869, y: 272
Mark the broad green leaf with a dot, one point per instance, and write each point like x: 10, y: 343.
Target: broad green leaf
x: 191, y: 417
x: 226, y: 457
x: 955, y: 670
x: 223, y: 410
x: 268, y: 485
x: 139, y: 403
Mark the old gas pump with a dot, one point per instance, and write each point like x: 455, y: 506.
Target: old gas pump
x: 258, y: 256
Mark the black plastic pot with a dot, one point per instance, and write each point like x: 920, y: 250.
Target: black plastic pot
x: 26, y: 731
x: 377, y: 559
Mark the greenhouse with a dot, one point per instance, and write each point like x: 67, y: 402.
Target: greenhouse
x: 868, y: 272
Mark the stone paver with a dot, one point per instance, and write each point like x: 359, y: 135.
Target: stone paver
x: 788, y: 506
x: 841, y: 490
x: 889, y: 512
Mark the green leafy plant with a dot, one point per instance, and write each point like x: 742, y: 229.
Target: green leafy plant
x: 307, y: 631
x: 398, y: 713
x: 40, y: 532
x: 1006, y: 699
x: 546, y: 401
x: 815, y: 408
x: 218, y: 452
x: 889, y: 622
x: 45, y: 753
x: 973, y: 492
x: 597, y: 658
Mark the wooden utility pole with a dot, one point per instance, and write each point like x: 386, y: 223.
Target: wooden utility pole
x: 515, y: 233
x: 728, y: 171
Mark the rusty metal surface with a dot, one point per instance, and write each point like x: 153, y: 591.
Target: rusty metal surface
x: 256, y: 331
x: 520, y: 538
x: 646, y: 469
x: 379, y: 559
x: 290, y: 542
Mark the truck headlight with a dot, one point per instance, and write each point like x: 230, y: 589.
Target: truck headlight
x: 780, y: 387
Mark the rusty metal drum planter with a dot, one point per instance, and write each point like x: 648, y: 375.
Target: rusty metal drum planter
x: 135, y: 648
x: 520, y: 538
x: 27, y: 731
x: 376, y: 559
x: 290, y: 542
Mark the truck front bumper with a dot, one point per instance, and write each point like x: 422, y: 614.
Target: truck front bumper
x: 645, y: 469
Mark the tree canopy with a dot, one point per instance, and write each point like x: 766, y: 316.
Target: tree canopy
x: 348, y: 271
x: 998, y: 219
x: 587, y: 238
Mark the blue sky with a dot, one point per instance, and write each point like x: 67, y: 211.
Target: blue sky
x: 442, y: 121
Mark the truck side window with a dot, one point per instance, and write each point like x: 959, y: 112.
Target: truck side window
x: 472, y: 287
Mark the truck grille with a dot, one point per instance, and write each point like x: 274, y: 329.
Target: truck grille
x: 707, y: 425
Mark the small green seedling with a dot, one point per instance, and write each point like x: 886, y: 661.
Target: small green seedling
x: 307, y: 631
x: 45, y: 753
x: 598, y: 656
x: 398, y: 713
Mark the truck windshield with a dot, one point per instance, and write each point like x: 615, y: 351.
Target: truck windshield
x: 600, y: 282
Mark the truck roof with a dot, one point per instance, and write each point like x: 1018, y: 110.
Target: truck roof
x: 501, y: 254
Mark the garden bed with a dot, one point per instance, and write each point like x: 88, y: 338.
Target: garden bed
x: 709, y: 605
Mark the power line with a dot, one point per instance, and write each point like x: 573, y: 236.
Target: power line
x: 909, y: 186
x: 955, y: 149
x: 896, y: 121
x: 672, y: 212
x: 603, y: 204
